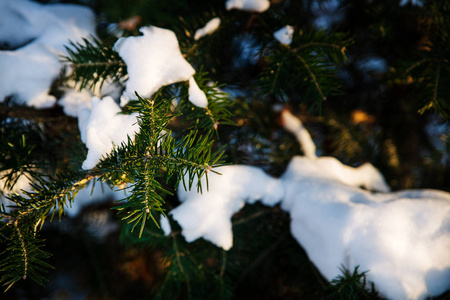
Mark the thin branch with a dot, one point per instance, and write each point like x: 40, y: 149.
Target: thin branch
x: 318, y: 44
x: 181, y: 161
x: 24, y: 250
x: 251, y: 217
x: 99, y: 64
x: 180, y: 266
x: 313, y: 77
x: 261, y: 257
x: 436, y: 83
x: 277, y: 74
x: 415, y: 65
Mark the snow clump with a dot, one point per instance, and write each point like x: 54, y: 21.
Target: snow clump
x: 284, y: 35
x: 248, y: 5
x: 209, y: 28
x: 295, y: 126
x: 153, y: 60
x: 208, y: 215
x: 196, y: 95
x: 102, y: 128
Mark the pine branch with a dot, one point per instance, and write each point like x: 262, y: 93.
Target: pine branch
x: 23, y: 257
x: 93, y: 62
x: 313, y: 77
x: 49, y: 194
x: 351, y: 286
x: 308, y: 65
x: 215, y: 114
x: 430, y: 71
x: 156, y: 154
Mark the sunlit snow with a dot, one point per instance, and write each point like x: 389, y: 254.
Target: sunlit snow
x: 401, y: 238
x: 208, y: 215
x: 294, y: 126
x: 196, y: 95
x: 36, y: 35
x: 248, y: 5
x: 209, y: 28
x: 153, y: 60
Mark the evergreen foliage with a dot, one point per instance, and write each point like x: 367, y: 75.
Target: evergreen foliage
x: 315, y: 56
x: 93, y: 62
x: 244, y: 73
x: 351, y: 286
x: 23, y: 257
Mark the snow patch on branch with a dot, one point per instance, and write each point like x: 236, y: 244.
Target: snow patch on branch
x: 196, y: 95
x: 103, y: 127
x: 153, y: 60
x: 295, y: 126
x: 208, y: 29
x: 208, y: 215
x: 284, y: 35
x: 248, y: 5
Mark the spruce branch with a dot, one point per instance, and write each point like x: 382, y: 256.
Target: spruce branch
x: 309, y: 64
x: 313, y: 77
x: 156, y: 154
x: 49, y: 194
x: 429, y: 72
x: 93, y: 62
x: 215, y: 114
x: 23, y: 257
x: 351, y: 286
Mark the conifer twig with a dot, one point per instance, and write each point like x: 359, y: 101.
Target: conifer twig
x: 313, y: 77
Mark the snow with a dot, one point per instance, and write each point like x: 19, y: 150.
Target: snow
x: 196, y: 95
x: 209, y: 28
x: 295, y: 126
x: 248, y: 5
x: 153, y: 60
x: 284, y: 35
x: 40, y: 31
x: 401, y: 238
x: 165, y: 225
x: 73, y: 100
x: 208, y: 215
x: 103, y: 127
